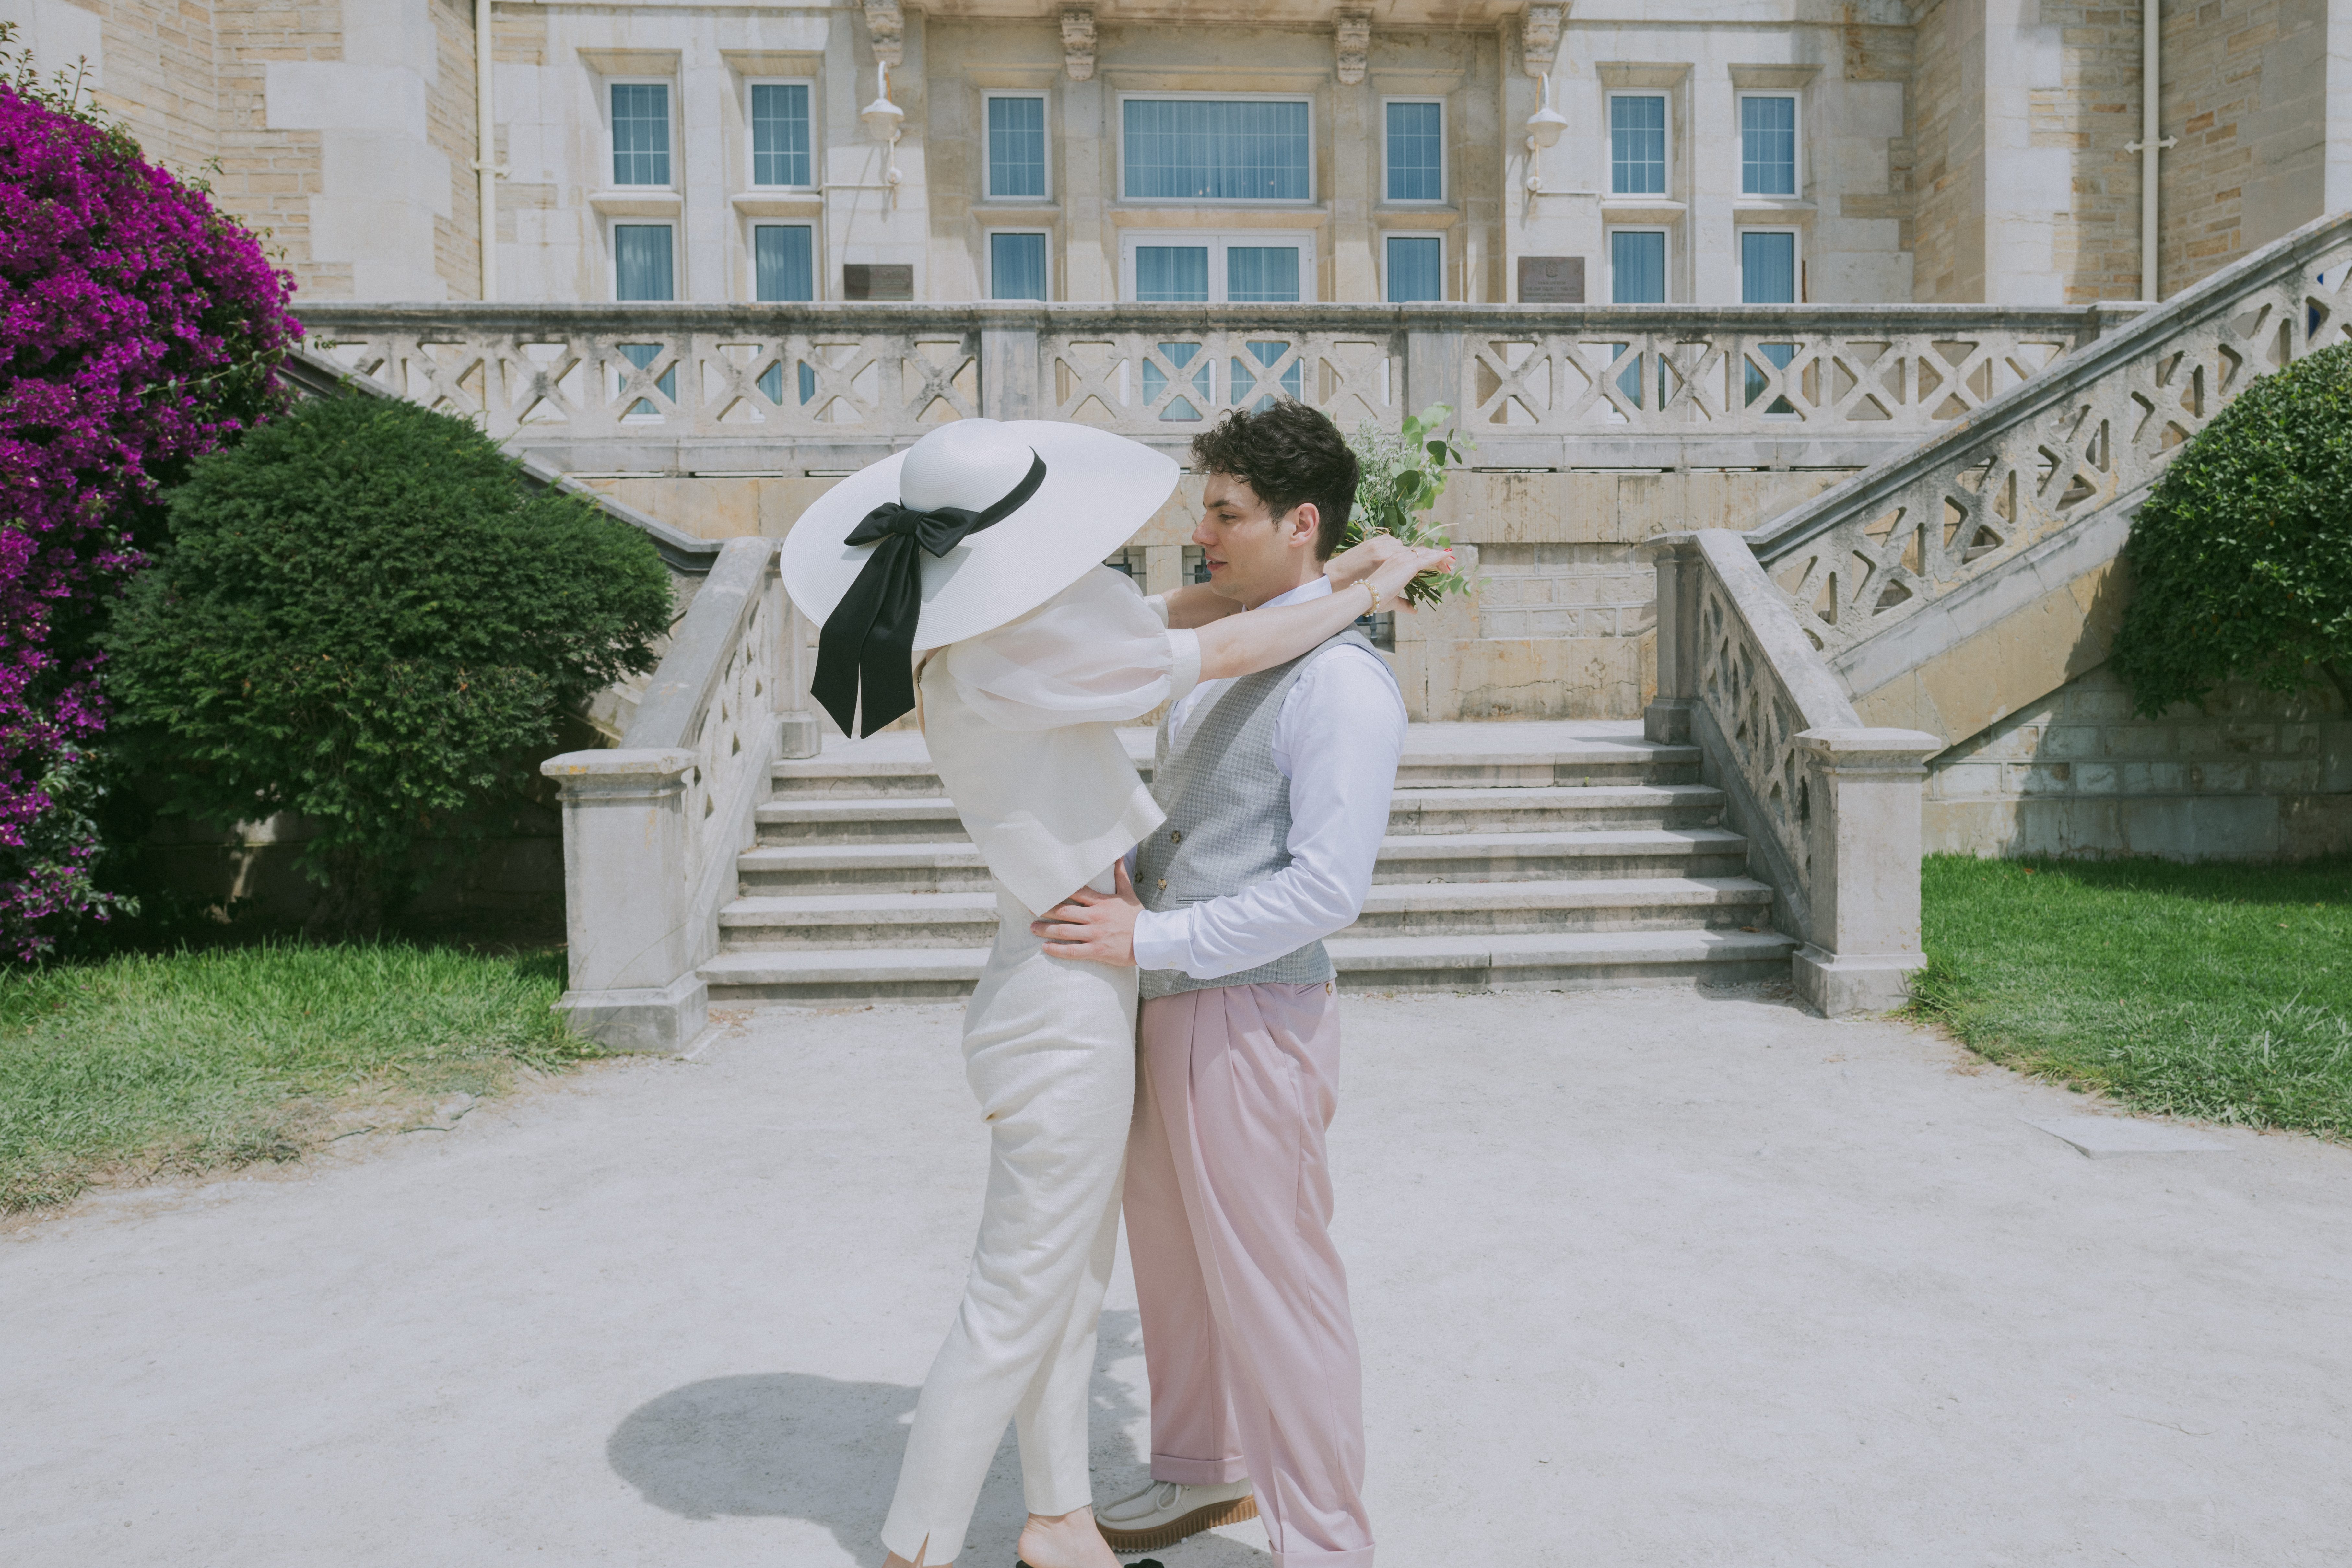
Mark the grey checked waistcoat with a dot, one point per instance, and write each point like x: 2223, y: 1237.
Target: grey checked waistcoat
x: 1228, y: 825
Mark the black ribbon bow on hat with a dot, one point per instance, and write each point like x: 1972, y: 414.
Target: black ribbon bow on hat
x: 869, y: 638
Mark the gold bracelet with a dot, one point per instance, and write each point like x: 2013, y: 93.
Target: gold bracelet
x: 1371, y: 588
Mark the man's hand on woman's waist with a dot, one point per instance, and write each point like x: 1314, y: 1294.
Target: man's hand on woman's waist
x: 1098, y: 928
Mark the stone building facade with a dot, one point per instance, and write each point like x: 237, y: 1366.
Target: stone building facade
x: 1812, y: 151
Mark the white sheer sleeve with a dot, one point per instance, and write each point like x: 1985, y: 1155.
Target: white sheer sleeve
x: 1096, y: 653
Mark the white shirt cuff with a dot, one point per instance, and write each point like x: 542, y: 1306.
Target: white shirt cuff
x: 1183, y: 661
x: 1163, y: 940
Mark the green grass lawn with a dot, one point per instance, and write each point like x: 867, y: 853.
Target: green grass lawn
x: 2216, y: 991
x: 149, y: 1064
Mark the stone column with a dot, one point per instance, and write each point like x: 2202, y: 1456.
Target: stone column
x: 626, y: 899
x: 1861, y: 808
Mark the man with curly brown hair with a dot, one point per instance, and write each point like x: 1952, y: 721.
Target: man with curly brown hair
x: 1276, y: 791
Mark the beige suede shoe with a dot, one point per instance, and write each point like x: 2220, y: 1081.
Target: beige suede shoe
x: 1165, y: 1512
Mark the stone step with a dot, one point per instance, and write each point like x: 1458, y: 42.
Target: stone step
x: 942, y: 866
x: 1612, y: 852
x: 1548, y: 961
x: 1436, y: 756
x: 903, y: 920
x: 932, y: 819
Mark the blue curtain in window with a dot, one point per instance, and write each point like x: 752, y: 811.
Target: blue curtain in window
x: 1016, y: 147
x: 1637, y: 146
x: 1016, y: 266
x: 1216, y: 149
x: 1416, y: 268
x: 784, y: 262
x: 1171, y: 274
x: 1767, y: 268
x: 641, y: 262
x: 1261, y: 274
x: 1768, y: 146
x: 780, y: 134
x: 1416, y: 153
x: 640, y: 134
x: 1637, y: 268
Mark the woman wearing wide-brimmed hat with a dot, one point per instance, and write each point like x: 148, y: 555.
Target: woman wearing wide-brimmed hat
x: 963, y: 578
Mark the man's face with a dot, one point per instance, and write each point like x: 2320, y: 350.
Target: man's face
x: 1253, y: 554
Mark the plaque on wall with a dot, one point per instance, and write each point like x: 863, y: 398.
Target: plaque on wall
x: 1551, y: 280
x: 882, y: 281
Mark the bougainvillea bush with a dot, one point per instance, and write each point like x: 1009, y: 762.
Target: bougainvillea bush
x: 139, y: 329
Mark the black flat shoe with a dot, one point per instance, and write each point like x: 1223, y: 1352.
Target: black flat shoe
x: 1146, y: 1562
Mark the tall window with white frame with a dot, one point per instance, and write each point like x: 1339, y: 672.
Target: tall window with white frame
x: 782, y: 139
x: 1637, y: 276
x: 1768, y: 276
x: 1637, y: 144
x: 1768, y: 144
x: 1016, y: 146
x: 1016, y: 265
x: 1416, y: 268
x: 1415, y: 149
x: 640, y: 132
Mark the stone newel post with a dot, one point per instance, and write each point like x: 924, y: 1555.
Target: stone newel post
x: 1863, y: 829
x: 627, y: 896
x: 1667, y: 718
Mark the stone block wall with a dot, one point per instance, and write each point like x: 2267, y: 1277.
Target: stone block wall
x: 2247, y: 774
x: 2245, y: 90
x: 359, y: 174
x: 1945, y: 125
x: 2091, y: 114
x: 1562, y: 623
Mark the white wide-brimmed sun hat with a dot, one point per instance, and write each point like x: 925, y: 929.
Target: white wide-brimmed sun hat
x: 976, y: 524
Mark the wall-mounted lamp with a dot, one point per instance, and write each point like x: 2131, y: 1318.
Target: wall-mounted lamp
x: 1543, y: 127
x: 883, y: 121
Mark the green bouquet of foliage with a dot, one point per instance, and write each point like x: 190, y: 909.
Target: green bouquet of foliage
x: 1400, y: 476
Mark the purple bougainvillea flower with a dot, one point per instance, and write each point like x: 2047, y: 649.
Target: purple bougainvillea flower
x: 139, y: 329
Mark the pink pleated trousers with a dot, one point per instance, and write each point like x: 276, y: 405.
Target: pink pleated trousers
x: 1247, y: 1334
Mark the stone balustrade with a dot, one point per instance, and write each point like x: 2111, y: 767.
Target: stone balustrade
x: 1830, y: 807
x: 1895, y: 565
x: 743, y: 389
x: 651, y: 830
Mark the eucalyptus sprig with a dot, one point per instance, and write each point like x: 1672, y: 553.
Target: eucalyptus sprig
x: 1400, y: 475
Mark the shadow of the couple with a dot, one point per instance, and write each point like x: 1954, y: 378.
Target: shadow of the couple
x: 793, y: 1445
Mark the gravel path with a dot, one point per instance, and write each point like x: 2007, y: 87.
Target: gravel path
x: 1644, y: 1278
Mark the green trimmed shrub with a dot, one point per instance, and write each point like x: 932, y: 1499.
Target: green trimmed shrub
x: 365, y: 614
x: 2242, y: 558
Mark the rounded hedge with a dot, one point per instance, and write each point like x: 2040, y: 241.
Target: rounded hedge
x: 365, y: 614
x: 2242, y: 558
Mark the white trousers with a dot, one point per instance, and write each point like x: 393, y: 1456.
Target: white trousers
x: 1049, y: 1051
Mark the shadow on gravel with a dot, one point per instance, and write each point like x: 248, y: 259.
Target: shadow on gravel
x: 794, y: 1444
x: 775, y: 1444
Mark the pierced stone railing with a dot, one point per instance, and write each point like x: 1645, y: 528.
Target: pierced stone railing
x: 2036, y: 487
x: 651, y: 830
x: 1829, y: 807
x: 788, y: 388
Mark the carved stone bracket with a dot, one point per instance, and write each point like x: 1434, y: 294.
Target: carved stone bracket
x: 1078, y: 42
x: 1355, y: 44
x: 1539, y: 35
x: 888, y: 26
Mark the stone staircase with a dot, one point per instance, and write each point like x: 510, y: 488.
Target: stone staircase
x: 1528, y: 856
